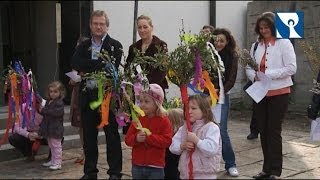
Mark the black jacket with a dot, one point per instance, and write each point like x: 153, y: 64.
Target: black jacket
x: 81, y: 59
x: 155, y: 75
x: 82, y: 62
x: 314, y: 106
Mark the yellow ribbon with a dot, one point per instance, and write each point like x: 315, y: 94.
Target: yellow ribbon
x: 136, y: 121
x: 209, y: 85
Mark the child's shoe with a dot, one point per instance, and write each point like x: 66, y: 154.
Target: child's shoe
x: 55, y: 167
x: 47, y: 164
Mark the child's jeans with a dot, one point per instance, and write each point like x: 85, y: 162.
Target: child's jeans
x: 145, y: 172
x: 56, y: 150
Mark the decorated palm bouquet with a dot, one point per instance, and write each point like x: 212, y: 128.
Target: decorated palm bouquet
x: 21, y: 89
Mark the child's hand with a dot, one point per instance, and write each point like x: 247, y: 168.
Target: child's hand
x: 187, y: 146
x: 141, y: 136
x: 192, y: 137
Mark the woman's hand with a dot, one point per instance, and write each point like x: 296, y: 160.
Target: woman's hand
x: 33, y: 136
x: 256, y: 78
x: 141, y: 136
x: 72, y: 82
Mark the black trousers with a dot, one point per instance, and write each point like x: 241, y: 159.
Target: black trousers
x: 270, y: 112
x: 23, y: 144
x: 253, y: 122
x: 171, y: 168
x: 90, y: 120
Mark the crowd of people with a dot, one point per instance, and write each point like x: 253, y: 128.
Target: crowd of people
x: 168, y: 151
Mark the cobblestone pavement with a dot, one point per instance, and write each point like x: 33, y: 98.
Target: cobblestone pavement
x: 301, y: 158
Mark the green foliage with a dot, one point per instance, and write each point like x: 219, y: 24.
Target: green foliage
x: 181, y: 64
x: 173, y: 103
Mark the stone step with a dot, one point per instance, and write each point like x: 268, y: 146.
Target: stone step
x: 68, y: 130
x: 71, y: 141
x: 71, y: 137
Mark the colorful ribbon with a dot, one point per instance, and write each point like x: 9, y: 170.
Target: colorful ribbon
x: 105, y: 110
x: 209, y: 85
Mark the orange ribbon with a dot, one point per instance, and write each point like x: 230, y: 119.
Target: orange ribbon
x: 105, y: 111
x: 209, y: 85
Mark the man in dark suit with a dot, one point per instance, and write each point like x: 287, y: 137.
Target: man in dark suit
x: 86, y: 60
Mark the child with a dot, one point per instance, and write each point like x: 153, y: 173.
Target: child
x: 204, y: 140
x: 176, y: 117
x: 51, y: 126
x: 148, y: 151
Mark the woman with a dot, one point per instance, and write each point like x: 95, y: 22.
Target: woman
x: 75, y: 112
x: 277, y: 60
x: 148, y: 44
x: 226, y: 47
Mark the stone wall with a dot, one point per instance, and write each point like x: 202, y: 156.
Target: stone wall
x: 301, y: 95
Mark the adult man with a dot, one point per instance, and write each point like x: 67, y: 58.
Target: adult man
x: 85, y: 60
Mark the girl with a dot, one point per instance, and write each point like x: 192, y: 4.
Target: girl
x: 51, y: 126
x: 148, y: 151
x: 204, y: 140
x: 176, y: 117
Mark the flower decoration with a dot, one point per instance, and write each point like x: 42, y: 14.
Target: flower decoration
x: 313, y: 56
x: 316, y: 87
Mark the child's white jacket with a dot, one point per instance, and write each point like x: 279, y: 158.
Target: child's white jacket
x: 207, y: 155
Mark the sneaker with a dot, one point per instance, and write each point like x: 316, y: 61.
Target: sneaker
x: 55, y: 167
x: 233, y: 172
x: 47, y: 164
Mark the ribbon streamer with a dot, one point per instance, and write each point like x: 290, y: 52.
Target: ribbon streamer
x: 95, y: 104
x: 105, y: 111
x: 136, y: 121
x: 209, y: 85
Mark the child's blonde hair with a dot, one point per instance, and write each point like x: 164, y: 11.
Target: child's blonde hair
x: 59, y: 86
x: 205, y: 107
x: 176, y: 118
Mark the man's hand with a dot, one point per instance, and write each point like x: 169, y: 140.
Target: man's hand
x: 192, y: 137
x: 141, y: 136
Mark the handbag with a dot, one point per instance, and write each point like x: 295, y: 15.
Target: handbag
x: 315, y: 130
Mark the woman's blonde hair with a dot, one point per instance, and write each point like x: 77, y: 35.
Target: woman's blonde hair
x: 176, y: 118
x: 57, y: 85
x: 205, y: 107
x: 147, y: 18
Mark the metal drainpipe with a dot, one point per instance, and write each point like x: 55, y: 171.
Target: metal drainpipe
x: 135, y: 16
x: 212, y: 13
